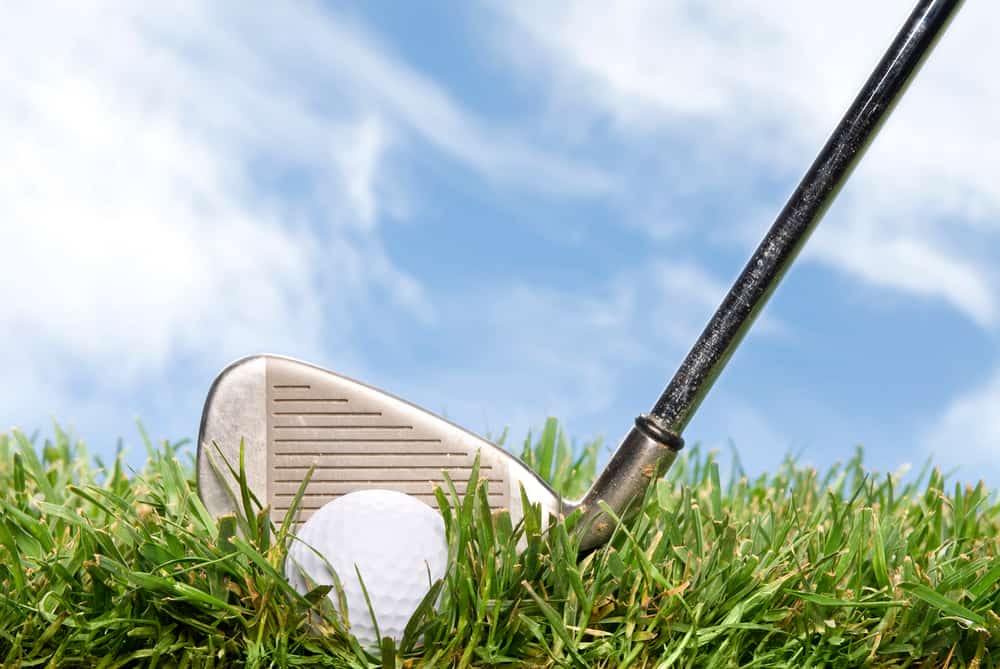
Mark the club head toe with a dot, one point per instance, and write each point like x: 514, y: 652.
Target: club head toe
x: 235, y: 410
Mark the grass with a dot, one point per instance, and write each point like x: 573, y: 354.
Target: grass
x: 100, y: 568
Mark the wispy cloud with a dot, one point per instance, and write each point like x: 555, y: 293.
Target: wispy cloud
x: 340, y: 52
x: 578, y: 355
x: 744, y: 97
x: 139, y: 229
x: 180, y: 184
x: 913, y: 264
x: 967, y: 433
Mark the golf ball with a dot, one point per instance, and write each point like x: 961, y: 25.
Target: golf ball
x: 396, y: 542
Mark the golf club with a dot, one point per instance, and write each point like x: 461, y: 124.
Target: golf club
x: 292, y: 415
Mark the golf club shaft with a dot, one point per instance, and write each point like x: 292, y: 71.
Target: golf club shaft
x: 803, y: 211
x: 650, y: 447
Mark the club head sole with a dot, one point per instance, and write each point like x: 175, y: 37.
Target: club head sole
x: 292, y: 416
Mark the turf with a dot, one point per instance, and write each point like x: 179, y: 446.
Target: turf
x: 107, y: 568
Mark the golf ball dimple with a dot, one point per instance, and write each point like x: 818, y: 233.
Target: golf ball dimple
x: 397, y: 543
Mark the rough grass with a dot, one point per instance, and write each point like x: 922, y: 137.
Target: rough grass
x: 797, y: 568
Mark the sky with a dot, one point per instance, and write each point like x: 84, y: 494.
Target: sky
x: 500, y: 211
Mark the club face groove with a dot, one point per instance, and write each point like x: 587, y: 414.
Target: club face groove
x: 291, y: 416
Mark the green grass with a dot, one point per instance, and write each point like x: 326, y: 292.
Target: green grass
x: 798, y: 568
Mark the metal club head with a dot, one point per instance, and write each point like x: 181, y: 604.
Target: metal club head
x: 291, y: 415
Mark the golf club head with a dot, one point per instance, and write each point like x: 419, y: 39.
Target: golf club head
x: 291, y: 416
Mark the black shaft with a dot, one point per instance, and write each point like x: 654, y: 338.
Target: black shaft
x: 801, y: 214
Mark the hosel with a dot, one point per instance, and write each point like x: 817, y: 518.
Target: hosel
x: 644, y: 455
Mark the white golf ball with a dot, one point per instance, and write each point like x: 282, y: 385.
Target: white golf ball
x: 398, y: 544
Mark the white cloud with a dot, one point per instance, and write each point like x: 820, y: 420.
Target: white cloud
x: 136, y: 230
x: 912, y: 264
x: 343, y: 52
x: 178, y: 184
x: 967, y: 433
x: 748, y: 91
x: 580, y: 356
x: 357, y: 165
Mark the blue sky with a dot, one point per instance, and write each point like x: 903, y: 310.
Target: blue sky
x: 500, y: 211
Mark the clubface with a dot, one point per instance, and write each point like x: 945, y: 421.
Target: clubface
x: 291, y: 416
